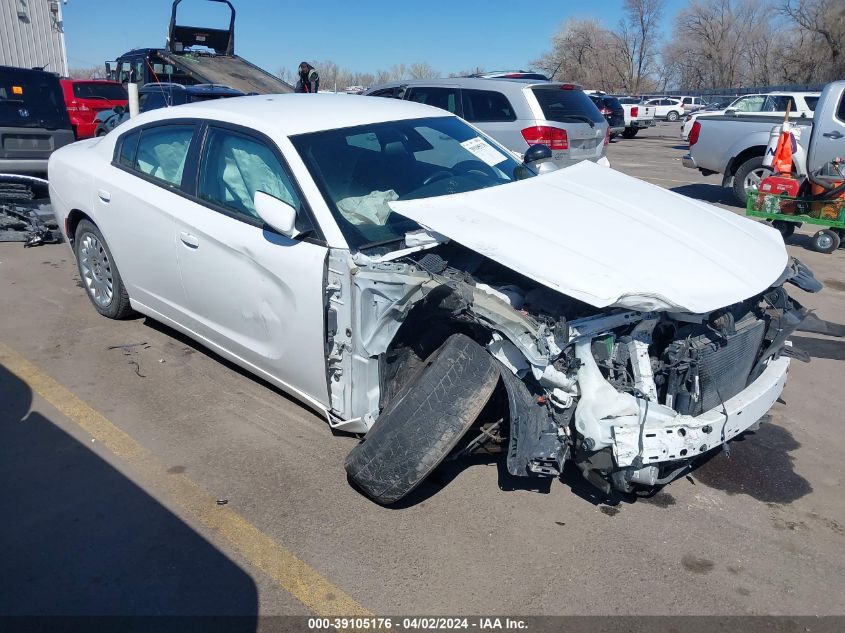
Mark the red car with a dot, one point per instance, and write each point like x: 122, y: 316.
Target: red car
x: 84, y: 98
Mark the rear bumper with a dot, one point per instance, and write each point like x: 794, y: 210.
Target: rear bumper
x: 23, y: 165
x: 667, y: 436
x: 688, y: 161
x: 642, y: 123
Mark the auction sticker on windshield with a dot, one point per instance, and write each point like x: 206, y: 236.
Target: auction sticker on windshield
x: 482, y: 150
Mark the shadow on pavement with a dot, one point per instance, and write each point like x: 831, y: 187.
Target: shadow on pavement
x: 81, y: 539
x: 708, y: 193
x: 820, y: 348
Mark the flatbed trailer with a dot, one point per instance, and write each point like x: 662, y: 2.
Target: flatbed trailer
x: 196, y: 55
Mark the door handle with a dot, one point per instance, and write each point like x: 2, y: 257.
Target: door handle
x: 834, y: 134
x: 104, y: 195
x: 189, y: 240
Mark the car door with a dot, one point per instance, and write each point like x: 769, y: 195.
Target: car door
x: 828, y: 134
x: 252, y: 292
x: 136, y: 197
x: 492, y: 112
x: 444, y: 97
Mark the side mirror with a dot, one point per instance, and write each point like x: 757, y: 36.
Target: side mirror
x: 276, y: 213
x: 536, y: 153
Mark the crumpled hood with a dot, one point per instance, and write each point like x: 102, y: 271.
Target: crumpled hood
x: 608, y: 239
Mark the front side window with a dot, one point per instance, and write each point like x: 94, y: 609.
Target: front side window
x: 162, y: 151
x: 754, y: 103
x: 99, y: 90
x: 234, y: 167
x: 443, y: 98
x: 486, y: 106
x: 417, y: 158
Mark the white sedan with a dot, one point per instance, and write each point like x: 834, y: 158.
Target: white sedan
x: 392, y: 267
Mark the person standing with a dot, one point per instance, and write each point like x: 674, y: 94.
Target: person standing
x: 309, y: 80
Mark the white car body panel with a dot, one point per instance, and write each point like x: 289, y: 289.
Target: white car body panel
x: 662, y: 111
x: 608, y: 239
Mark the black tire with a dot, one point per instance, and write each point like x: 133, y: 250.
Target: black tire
x: 826, y: 241
x: 751, y: 169
x: 630, y: 132
x: 117, y: 306
x: 422, y: 424
x: 786, y: 229
x: 673, y: 116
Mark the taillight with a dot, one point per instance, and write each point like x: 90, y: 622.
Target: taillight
x: 694, y: 132
x: 635, y: 111
x: 568, y: 87
x: 606, y: 111
x: 75, y: 106
x: 554, y: 137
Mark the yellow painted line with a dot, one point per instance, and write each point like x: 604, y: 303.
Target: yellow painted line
x: 291, y: 573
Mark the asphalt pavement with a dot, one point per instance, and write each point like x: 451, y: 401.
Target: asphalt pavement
x: 143, y: 474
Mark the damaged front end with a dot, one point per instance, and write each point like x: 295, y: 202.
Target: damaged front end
x: 631, y: 396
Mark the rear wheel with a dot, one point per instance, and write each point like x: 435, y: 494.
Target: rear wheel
x: 99, y: 273
x: 826, y: 241
x: 672, y: 116
x: 748, y: 177
x: 630, y: 132
x: 786, y: 229
x: 424, y: 421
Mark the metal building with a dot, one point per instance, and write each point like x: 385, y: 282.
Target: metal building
x: 32, y: 35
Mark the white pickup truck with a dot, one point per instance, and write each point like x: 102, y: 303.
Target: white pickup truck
x: 735, y: 146
x: 637, y: 115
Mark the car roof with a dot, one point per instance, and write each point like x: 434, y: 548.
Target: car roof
x: 480, y: 83
x: 291, y: 114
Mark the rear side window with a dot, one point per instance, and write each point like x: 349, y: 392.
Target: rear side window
x: 443, y: 98
x: 234, y: 167
x: 777, y: 103
x: 162, y: 151
x: 385, y: 92
x: 99, y: 90
x: 570, y: 106
x: 811, y: 103
x: 487, y: 105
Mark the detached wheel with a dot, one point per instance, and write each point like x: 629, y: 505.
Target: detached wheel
x: 99, y: 273
x: 424, y: 421
x: 672, y: 116
x: 786, y: 229
x: 748, y: 177
x: 630, y: 132
x: 826, y: 241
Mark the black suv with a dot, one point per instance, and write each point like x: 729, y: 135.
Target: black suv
x: 613, y: 112
x: 158, y: 95
x: 33, y: 120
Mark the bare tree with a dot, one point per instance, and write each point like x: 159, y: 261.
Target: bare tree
x: 422, y: 70
x: 91, y: 72
x: 824, y: 22
x: 636, y: 44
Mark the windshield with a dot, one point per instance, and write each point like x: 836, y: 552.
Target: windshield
x: 32, y: 99
x: 99, y: 90
x: 359, y: 170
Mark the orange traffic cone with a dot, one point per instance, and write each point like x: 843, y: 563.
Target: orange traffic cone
x: 782, y: 162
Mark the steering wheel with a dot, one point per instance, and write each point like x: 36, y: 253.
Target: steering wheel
x: 440, y: 174
x: 475, y: 167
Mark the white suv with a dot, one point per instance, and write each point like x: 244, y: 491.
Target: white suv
x: 801, y: 104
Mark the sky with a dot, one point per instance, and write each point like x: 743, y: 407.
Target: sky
x: 365, y: 36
